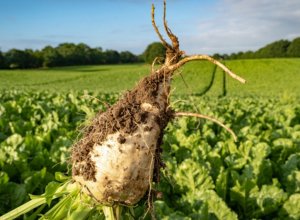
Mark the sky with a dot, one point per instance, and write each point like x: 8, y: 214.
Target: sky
x: 202, y: 26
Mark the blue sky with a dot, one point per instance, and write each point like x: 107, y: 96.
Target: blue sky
x: 203, y: 26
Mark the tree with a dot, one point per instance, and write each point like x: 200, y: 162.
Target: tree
x: 275, y: 49
x: 15, y: 59
x: 51, y: 57
x: 22, y: 59
x: 32, y: 58
x: 97, y: 56
x: 294, y: 48
x: 248, y: 55
x: 83, y: 53
x: 240, y: 54
x: 233, y: 56
x: 153, y: 51
x: 2, y: 61
x: 217, y: 56
x: 128, y: 57
x: 70, y: 54
x: 112, y: 57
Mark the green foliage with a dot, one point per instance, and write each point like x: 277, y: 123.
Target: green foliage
x: 127, y: 57
x: 294, y: 48
x: 15, y: 58
x: 23, y: 59
x: 36, y: 131
x: 207, y: 175
x: 112, y: 56
x: 2, y: 61
x: 153, y: 51
x: 65, y: 54
x: 51, y: 57
x: 250, y: 179
x: 275, y: 49
x: 290, y: 209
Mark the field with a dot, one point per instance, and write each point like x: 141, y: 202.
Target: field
x: 265, y: 77
x: 207, y: 175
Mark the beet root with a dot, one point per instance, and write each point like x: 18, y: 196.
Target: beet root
x: 118, y: 156
x: 115, y: 159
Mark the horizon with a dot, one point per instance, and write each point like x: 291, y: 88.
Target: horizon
x: 218, y: 26
x: 119, y: 51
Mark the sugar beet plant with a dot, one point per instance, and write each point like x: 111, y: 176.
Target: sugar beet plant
x: 118, y: 157
x: 207, y: 175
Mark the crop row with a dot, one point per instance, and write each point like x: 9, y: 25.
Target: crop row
x: 207, y: 174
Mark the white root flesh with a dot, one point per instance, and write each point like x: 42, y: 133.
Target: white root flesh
x: 123, y: 168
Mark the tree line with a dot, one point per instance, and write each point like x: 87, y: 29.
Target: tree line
x: 70, y: 54
x: 65, y: 54
x: 277, y: 49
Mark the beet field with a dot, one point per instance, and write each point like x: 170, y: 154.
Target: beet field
x: 204, y: 174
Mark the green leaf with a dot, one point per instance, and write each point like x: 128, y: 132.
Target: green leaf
x: 218, y: 206
x: 240, y: 195
x: 61, y: 177
x: 235, y: 161
x: 202, y: 213
x: 82, y: 212
x: 260, y: 167
x: 222, y: 183
x: 162, y: 211
x: 12, y: 195
x: 4, y: 178
x: 193, y: 176
x: 36, y: 212
x: 291, y: 174
x: 32, y: 204
x: 60, y: 210
x: 51, y: 188
x: 260, y: 151
x: 290, y: 209
x: 268, y: 199
x: 36, y: 180
x: 88, y: 111
x: 14, y: 140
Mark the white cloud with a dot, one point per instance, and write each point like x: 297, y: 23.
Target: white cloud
x: 240, y: 25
